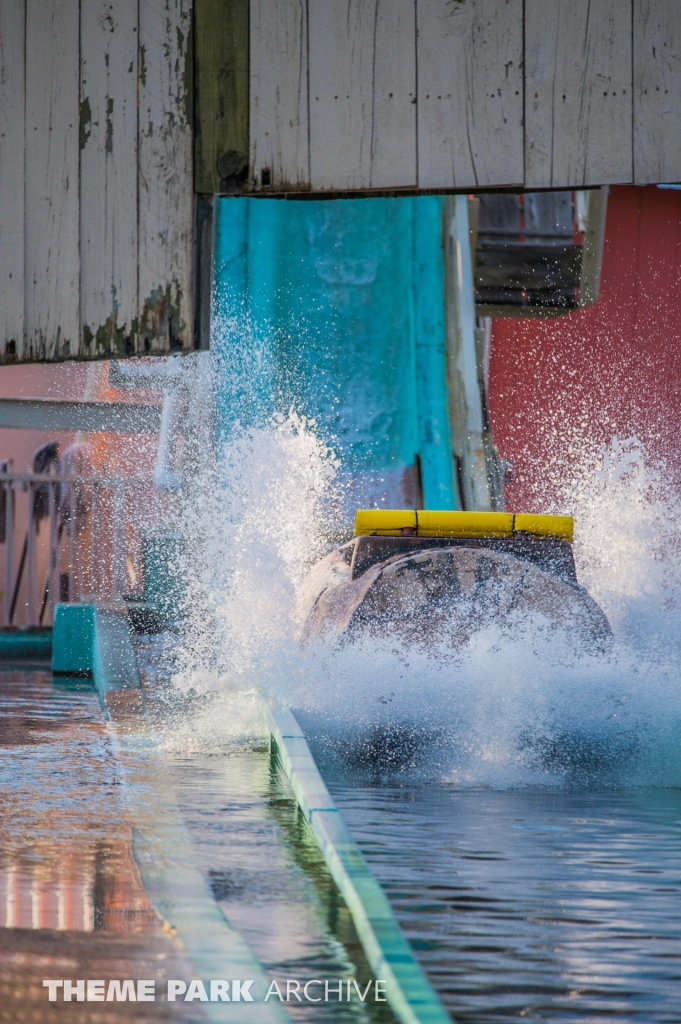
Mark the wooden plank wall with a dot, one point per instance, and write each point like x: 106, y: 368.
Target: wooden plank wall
x: 96, y: 204
x: 470, y: 110
x: 165, y: 199
x: 578, y: 93
x: 278, y: 104
x: 462, y: 94
x: 12, y: 130
x: 51, y: 257
x: 108, y: 172
x: 114, y: 112
x: 657, y: 88
x: 221, y: 92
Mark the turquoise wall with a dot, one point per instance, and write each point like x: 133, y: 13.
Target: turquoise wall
x: 337, y: 309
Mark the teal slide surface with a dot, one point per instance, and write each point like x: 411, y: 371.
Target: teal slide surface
x: 336, y: 309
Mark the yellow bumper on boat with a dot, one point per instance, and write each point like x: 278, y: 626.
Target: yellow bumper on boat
x: 396, y: 522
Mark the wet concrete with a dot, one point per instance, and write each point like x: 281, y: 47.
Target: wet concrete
x: 72, y: 904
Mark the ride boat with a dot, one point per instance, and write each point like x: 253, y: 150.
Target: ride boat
x: 441, y: 576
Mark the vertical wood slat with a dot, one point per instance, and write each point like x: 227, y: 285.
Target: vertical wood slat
x: 108, y: 175
x: 52, y: 263
x: 362, y: 92
x: 12, y: 126
x: 165, y: 177
x: 470, y: 109
x: 278, y: 103
x: 393, y: 117
x: 657, y: 91
x: 221, y: 94
x: 578, y: 93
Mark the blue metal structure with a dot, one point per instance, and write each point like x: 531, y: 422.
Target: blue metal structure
x: 337, y: 309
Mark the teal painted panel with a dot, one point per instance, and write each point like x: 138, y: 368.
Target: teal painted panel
x: 25, y: 646
x: 435, y: 443
x: 73, y: 635
x: 320, y: 306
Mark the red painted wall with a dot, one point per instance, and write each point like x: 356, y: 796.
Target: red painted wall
x: 560, y: 388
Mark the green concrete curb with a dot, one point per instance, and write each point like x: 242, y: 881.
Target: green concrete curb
x: 409, y: 993
x: 28, y: 645
x: 93, y: 641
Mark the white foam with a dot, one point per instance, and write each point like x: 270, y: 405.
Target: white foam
x: 508, y: 710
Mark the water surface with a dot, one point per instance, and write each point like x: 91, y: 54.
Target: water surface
x: 529, y: 904
x: 71, y: 901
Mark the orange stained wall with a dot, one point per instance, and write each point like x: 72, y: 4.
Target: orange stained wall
x: 561, y: 387
x: 127, y: 454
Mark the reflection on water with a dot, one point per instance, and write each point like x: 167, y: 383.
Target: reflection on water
x: 71, y: 901
x: 258, y: 855
x: 88, y: 889
x: 65, y: 859
x: 264, y: 868
x: 557, y: 906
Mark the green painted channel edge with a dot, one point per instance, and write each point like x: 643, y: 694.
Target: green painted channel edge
x: 409, y: 993
x: 18, y: 646
x: 94, y: 641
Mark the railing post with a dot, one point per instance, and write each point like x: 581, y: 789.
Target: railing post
x: 72, y: 545
x: 52, y: 549
x: 119, y: 537
x: 9, y: 550
x: 31, y: 523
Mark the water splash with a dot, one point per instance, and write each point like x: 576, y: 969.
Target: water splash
x: 507, y: 710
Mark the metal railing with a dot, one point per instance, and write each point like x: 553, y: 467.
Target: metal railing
x: 70, y: 538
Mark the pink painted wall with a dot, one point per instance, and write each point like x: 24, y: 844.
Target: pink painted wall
x: 562, y: 387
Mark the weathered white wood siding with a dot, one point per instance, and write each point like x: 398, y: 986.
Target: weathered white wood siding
x: 108, y: 173
x: 393, y: 116
x: 470, y: 102
x: 338, y: 108
x: 96, y: 203
x: 578, y: 93
x: 52, y: 260
x: 279, y: 99
x: 534, y: 93
x: 96, y: 121
x: 657, y: 90
x: 165, y: 177
x: 362, y: 60
x: 12, y: 117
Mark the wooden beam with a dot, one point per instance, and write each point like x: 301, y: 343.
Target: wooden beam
x: 470, y: 103
x: 108, y: 176
x: 657, y: 91
x: 12, y: 135
x: 578, y: 93
x: 221, y: 45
